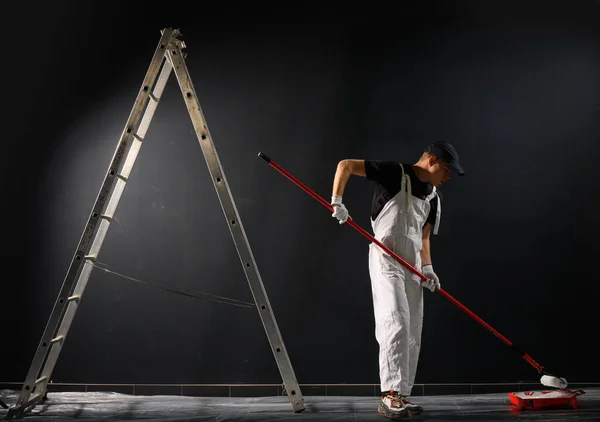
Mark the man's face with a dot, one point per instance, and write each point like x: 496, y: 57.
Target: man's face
x: 440, y: 172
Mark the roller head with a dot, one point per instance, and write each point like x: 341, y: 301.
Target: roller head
x: 551, y: 381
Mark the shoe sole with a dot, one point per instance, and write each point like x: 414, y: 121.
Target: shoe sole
x: 392, y: 415
x: 414, y: 412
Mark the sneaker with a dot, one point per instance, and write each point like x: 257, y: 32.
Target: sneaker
x: 392, y: 406
x: 413, y: 409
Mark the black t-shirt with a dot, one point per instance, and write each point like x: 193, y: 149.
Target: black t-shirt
x: 388, y: 178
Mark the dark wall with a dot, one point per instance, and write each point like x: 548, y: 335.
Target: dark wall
x: 515, y: 88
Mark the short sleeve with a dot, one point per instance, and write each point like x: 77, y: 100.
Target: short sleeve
x: 382, y: 171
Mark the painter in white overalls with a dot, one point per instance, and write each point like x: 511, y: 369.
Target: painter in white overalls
x: 397, y: 292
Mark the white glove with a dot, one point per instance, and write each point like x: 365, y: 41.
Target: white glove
x: 339, y: 210
x: 433, y: 282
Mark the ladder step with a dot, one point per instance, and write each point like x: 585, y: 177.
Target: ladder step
x: 57, y: 339
x: 40, y: 380
x: 106, y: 217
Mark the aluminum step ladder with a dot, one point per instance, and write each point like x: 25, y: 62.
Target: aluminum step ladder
x: 168, y: 56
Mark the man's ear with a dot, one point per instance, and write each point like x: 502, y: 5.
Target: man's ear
x: 432, y: 160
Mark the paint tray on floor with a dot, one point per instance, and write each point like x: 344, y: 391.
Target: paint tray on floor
x: 531, y: 400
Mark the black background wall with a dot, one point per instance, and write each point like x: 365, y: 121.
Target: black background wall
x: 514, y: 85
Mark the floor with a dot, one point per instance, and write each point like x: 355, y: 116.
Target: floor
x: 113, y: 406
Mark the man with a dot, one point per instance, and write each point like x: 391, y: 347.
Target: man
x: 406, y: 208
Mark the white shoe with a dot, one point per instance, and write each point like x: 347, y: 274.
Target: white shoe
x: 392, y: 406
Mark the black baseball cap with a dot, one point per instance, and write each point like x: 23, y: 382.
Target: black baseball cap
x: 447, y: 152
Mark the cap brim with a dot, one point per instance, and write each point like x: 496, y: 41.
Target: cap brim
x: 457, y: 168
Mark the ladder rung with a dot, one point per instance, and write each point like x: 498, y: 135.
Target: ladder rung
x: 41, y: 379
x: 57, y: 339
x: 73, y: 298
x: 106, y: 217
x: 90, y: 257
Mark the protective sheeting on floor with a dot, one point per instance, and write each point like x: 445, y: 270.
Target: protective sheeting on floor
x: 107, y: 406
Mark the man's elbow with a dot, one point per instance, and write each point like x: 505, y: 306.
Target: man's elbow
x: 344, y: 164
x: 350, y: 166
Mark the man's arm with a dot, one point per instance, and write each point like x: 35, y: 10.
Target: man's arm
x: 345, y: 169
x: 433, y: 281
x: 426, y: 250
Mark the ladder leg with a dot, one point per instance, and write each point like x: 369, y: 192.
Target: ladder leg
x: 177, y: 59
x: 35, y: 386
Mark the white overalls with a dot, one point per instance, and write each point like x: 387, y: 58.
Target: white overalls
x: 397, y: 292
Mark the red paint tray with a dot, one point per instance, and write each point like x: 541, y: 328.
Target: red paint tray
x: 530, y: 400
